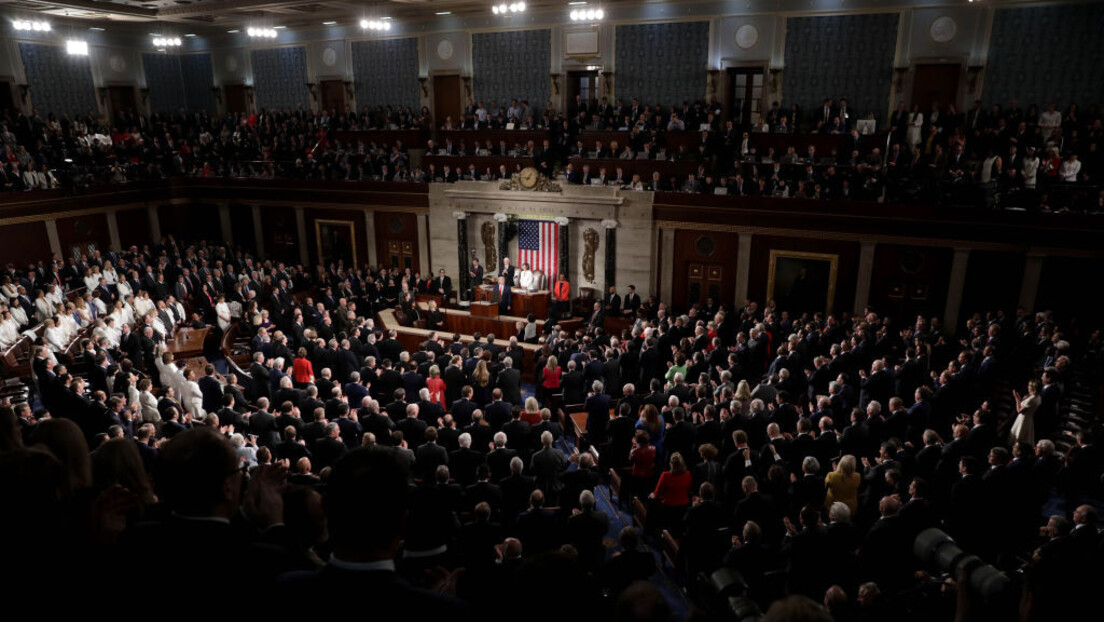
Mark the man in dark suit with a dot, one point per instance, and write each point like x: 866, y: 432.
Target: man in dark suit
x: 503, y: 295
x: 573, y: 385
x: 597, y: 316
x: 509, y: 380
x: 442, y: 285
x: 211, y: 389
x: 475, y: 274
x: 612, y: 302
x: 498, y: 411
x: 464, y: 461
x: 597, y: 408
x: 429, y: 455
x: 463, y: 408
x: 262, y: 424
x: 507, y: 271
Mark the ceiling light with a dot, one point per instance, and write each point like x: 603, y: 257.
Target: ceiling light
x: 590, y: 15
x: 575, y: 3
x: 280, y: 27
x: 76, y: 47
x: 36, y: 25
x: 375, y: 24
x: 167, y: 42
x: 97, y: 29
x: 190, y: 34
x: 329, y: 23
x: 233, y: 31
x: 262, y: 33
x: 444, y: 13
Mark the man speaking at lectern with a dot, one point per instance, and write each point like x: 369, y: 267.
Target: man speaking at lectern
x: 503, y: 296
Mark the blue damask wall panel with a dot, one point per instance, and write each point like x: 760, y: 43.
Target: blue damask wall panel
x: 60, y: 83
x: 198, y: 78
x: 386, y: 72
x: 508, y: 65
x: 280, y: 78
x: 163, y: 79
x: 843, y: 57
x: 1047, y: 54
x: 662, y: 64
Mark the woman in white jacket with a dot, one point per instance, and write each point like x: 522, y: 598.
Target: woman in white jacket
x: 169, y: 373
x: 43, y: 307
x: 147, y: 403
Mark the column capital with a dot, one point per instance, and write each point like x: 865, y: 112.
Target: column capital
x: 458, y: 215
x: 500, y: 217
x: 562, y: 221
x: 609, y: 223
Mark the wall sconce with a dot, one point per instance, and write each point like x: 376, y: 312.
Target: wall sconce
x: 607, y: 77
x: 425, y: 89
x: 713, y: 81
x: 556, y: 82
x: 217, y: 92
x: 350, y: 90
x: 973, y: 72
x: 313, y: 88
x: 899, y: 77
x: 144, y: 94
x: 467, y: 85
x: 25, y: 93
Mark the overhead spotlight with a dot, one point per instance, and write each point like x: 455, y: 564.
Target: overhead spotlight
x: 590, y: 15
x: 261, y: 33
x: 375, y: 24
x: 36, y: 25
x: 76, y: 47
x: 167, y: 42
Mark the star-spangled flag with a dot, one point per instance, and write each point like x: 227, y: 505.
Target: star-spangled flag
x: 539, y: 246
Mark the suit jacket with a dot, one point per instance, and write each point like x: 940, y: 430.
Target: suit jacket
x: 504, y: 297
x: 509, y: 380
x: 263, y: 425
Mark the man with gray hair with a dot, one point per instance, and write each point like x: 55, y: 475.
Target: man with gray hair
x: 597, y: 408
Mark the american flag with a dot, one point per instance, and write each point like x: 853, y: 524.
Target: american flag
x: 539, y: 246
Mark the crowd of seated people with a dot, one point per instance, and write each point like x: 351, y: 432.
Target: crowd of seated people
x: 805, y: 451
x: 1020, y: 159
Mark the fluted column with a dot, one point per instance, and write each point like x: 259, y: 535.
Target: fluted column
x: 503, y: 247
x: 611, y: 253
x: 464, y: 279
x: 563, y: 262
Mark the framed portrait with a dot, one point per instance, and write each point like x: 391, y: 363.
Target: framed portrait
x: 335, y: 241
x: 802, y: 282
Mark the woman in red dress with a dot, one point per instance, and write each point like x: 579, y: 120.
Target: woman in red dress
x: 436, y: 386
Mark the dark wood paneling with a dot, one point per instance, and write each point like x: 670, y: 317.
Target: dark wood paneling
x: 241, y: 225
x: 993, y: 282
x: 279, y: 220
x: 847, y: 267
x: 910, y: 280
x: 355, y: 217
x: 83, y: 230
x: 1068, y: 287
x: 133, y: 227
x: 395, y: 226
x: 198, y: 221
x: 23, y: 243
x: 698, y: 254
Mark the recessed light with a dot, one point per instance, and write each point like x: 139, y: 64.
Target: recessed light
x: 97, y: 29
x: 444, y: 12
x: 155, y: 34
x: 575, y: 3
x: 280, y: 27
x: 329, y: 23
x: 190, y: 34
x: 385, y: 18
x: 233, y: 32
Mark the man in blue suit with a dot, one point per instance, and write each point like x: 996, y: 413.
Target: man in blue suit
x: 503, y: 296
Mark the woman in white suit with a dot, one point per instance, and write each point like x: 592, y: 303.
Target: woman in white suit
x: 915, y: 124
x: 147, y: 402
x: 222, y: 310
x: 169, y: 373
x: 191, y: 397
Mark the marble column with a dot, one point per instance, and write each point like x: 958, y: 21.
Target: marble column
x: 564, y: 261
x: 667, y: 268
x: 154, y: 223
x: 611, y: 254
x: 258, y: 232
x: 370, y: 234
x: 503, y: 247
x: 955, y: 289
x: 1029, y: 287
x: 463, y: 279
x: 866, y: 273
x: 301, y: 227
x: 113, y: 230
x: 52, y: 236
x: 743, y: 269
x: 225, y: 224
x: 423, y: 245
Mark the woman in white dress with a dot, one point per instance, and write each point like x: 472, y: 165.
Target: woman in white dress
x: 55, y: 296
x: 1023, y: 429
x: 9, y: 330
x: 142, y: 304
x: 83, y: 313
x: 91, y: 278
x: 110, y: 275
x: 169, y: 373
x: 147, y: 403
x: 915, y: 124
x: 991, y: 167
x: 67, y: 322
x: 54, y: 336
x: 122, y: 290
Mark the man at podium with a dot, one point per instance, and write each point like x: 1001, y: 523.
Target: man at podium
x: 503, y: 296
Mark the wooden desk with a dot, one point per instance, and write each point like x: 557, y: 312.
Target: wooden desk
x: 484, y: 308
x: 188, y: 342
x: 524, y: 302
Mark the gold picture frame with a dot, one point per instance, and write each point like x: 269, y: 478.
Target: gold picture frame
x: 330, y: 235
x: 822, y: 268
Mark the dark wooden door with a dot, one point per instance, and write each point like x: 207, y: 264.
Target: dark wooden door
x: 121, y: 99
x: 333, y: 95
x: 705, y: 267
x: 235, y: 99
x: 447, y: 100
x: 583, y: 84
x: 7, y: 100
x: 745, y: 95
x: 936, y: 84
x: 402, y: 254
